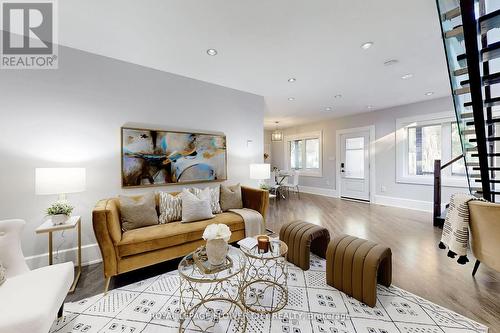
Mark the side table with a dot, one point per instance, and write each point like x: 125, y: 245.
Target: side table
x: 48, y: 227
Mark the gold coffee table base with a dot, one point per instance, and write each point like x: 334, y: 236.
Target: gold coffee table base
x: 256, y: 307
x: 192, y: 311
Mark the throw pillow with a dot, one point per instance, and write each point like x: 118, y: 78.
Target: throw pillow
x: 3, y: 274
x: 214, y: 198
x: 170, y: 207
x: 196, y: 208
x: 138, y: 212
x: 230, y: 197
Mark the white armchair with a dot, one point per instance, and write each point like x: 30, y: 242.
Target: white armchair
x: 29, y: 300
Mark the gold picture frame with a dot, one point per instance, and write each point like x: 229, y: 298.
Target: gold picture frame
x: 159, y: 157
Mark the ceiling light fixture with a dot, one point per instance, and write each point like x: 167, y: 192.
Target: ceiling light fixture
x: 367, y: 45
x: 370, y: 107
x: 407, y: 76
x: 277, y: 135
x: 328, y: 108
x: 212, y: 52
x: 337, y: 96
x: 292, y: 80
x: 391, y: 62
x: 429, y: 93
x: 291, y: 98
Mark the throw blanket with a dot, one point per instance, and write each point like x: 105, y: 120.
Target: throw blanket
x: 254, y: 222
x: 456, y: 227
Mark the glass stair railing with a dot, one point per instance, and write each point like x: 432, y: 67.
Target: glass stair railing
x: 471, y: 39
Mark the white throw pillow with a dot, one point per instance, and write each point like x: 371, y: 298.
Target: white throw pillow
x: 214, y: 197
x: 196, y: 208
x: 3, y: 274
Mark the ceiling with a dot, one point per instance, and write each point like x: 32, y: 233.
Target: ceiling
x: 261, y: 44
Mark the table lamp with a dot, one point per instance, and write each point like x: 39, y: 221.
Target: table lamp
x: 260, y: 172
x: 60, y: 181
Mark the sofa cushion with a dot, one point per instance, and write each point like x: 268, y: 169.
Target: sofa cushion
x: 165, y: 235
x: 231, y: 197
x: 196, y: 208
x: 138, y: 212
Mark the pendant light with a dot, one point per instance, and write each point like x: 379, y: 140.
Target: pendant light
x: 277, y: 135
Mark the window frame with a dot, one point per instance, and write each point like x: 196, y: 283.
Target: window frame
x: 315, y: 172
x: 445, y: 119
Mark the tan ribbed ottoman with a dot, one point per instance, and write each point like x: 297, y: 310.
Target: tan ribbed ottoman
x: 302, y: 238
x: 354, y: 265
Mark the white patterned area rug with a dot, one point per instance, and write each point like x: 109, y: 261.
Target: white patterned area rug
x: 313, y: 306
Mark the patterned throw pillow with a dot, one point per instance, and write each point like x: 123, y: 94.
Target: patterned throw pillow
x: 3, y: 274
x: 170, y: 208
x: 214, y: 198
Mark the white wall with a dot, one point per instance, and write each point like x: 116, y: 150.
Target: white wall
x: 408, y: 195
x: 72, y: 117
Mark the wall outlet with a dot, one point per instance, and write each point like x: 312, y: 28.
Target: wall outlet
x: 383, y: 188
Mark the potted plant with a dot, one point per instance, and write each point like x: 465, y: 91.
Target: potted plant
x: 217, y: 236
x: 59, y: 212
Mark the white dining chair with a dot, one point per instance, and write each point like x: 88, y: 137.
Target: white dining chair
x: 294, y: 184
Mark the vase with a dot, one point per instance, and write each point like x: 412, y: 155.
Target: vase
x: 59, y: 219
x: 217, y: 251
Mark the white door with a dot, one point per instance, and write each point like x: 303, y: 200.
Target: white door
x: 355, y: 166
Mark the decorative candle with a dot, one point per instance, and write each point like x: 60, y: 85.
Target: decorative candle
x: 263, y: 244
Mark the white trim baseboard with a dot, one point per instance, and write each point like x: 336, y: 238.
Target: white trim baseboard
x: 425, y: 206
x: 90, y: 255
x: 327, y: 192
x: 420, y: 205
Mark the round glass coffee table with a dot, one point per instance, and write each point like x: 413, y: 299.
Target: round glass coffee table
x: 265, y: 289
x: 208, y: 300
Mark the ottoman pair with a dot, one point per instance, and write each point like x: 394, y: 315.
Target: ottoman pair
x: 353, y: 265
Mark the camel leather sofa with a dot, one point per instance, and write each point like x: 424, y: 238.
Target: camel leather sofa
x: 126, y: 251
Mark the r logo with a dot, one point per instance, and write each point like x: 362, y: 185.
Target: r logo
x: 27, y: 28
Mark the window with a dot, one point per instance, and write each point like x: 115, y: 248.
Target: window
x: 355, y: 158
x: 303, y: 153
x: 422, y: 140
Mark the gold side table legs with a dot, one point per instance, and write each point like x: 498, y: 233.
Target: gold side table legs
x: 79, y: 255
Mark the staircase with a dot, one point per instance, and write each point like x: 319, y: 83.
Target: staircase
x: 471, y: 38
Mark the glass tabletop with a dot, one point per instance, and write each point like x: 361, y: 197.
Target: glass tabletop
x: 189, y: 270
x: 278, y: 249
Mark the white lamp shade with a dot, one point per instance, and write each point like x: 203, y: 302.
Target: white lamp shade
x: 260, y: 171
x: 59, y: 180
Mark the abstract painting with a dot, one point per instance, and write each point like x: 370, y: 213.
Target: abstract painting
x: 157, y: 157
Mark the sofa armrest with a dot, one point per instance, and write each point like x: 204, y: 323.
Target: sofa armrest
x: 256, y: 199
x: 107, y: 229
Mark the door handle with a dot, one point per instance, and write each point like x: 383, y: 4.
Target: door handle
x: 342, y: 167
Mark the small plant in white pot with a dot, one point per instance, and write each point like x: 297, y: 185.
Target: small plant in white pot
x: 59, y: 212
x: 217, y: 236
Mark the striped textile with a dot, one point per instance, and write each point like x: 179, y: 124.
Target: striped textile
x: 456, y: 227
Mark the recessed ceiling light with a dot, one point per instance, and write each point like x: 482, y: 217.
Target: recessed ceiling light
x: 367, y: 45
x: 337, y: 96
x: 407, y: 76
x: 291, y: 98
x: 328, y: 108
x: 292, y: 79
x: 212, y: 52
x: 429, y: 93
x: 391, y: 62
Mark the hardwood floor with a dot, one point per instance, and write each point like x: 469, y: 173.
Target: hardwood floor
x: 419, y: 266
